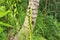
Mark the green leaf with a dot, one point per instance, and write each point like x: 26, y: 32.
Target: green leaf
x: 1, y: 1
x: 3, y: 12
x: 5, y: 24
x: 1, y: 29
x: 2, y: 8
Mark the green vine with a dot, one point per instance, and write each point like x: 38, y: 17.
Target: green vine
x: 30, y: 23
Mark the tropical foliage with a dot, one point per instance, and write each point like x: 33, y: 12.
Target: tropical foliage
x: 47, y: 26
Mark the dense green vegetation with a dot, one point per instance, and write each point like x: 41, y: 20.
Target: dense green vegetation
x: 12, y: 15
x: 47, y: 23
x: 13, y: 12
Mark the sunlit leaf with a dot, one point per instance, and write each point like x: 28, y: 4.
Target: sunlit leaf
x: 3, y: 13
x: 5, y: 24
x: 2, y: 8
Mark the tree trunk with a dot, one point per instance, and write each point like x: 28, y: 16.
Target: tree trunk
x: 34, y: 6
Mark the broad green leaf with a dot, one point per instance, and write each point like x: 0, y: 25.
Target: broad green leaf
x: 5, y: 24
x: 1, y: 29
x: 2, y: 13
